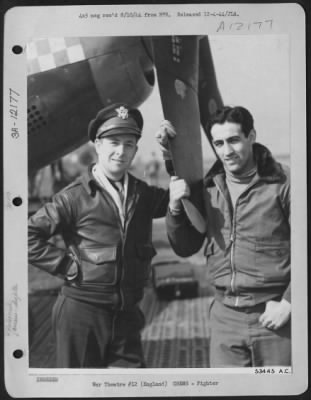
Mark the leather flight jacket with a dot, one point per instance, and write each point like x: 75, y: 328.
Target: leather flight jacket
x: 113, y: 259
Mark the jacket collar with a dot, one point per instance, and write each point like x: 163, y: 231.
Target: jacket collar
x: 268, y: 169
x: 89, y: 182
x: 91, y: 185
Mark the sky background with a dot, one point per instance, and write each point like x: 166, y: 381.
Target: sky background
x: 252, y: 71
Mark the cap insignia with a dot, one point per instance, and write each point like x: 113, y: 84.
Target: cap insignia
x: 122, y: 112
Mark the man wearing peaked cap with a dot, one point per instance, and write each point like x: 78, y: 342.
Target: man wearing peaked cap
x: 116, y: 119
x: 105, y: 217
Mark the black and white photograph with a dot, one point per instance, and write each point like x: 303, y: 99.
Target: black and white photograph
x: 159, y: 201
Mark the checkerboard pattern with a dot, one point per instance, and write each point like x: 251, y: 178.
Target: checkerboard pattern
x: 49, y: 53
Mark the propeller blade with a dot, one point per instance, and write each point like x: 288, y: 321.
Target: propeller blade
x: 177, y: 65
x: 194, y: 215
x: 209, y: 96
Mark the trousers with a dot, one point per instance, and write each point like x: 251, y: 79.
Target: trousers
x: 95, y: 336
x: 237, y: 338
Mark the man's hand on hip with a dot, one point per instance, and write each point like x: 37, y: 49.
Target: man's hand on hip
x: 276, y: 314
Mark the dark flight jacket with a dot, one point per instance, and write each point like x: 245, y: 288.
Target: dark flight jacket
x: 114, y: 261
x: 248, y: 246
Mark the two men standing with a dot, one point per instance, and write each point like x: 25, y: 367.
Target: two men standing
x: 107, y: 231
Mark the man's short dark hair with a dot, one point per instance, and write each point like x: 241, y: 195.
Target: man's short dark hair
x: 238, y: 115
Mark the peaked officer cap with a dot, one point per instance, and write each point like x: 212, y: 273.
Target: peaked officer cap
x: 116, y: 119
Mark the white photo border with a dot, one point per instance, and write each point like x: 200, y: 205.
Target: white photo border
x: 23, y: 23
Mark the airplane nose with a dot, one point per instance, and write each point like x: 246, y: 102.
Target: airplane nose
x: 130, y: 68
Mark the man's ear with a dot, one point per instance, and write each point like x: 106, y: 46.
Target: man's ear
x: 96, y: 145
x: 252, y: 135
x: 136, y: 146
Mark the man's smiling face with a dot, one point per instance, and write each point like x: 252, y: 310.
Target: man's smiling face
x: 234, y: 149
x: 115, y: 154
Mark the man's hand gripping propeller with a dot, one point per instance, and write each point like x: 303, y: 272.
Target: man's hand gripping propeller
x: 179, y: 189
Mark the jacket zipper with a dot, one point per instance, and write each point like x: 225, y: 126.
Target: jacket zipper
x: 232, y: 243
x: 124, y: 234
x: 233, y: 239
x: 116, y: 211
x: 123, y: 238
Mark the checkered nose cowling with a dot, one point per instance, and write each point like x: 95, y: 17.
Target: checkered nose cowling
x: 70, y: 80
x: 46, y: 54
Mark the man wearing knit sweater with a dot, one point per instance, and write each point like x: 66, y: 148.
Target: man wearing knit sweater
x: 247, y: 243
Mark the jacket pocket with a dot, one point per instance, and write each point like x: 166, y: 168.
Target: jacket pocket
x: 218, y: 271
x: 99, y: 265
x: 273, y: 260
